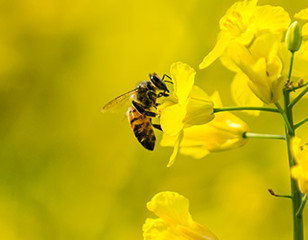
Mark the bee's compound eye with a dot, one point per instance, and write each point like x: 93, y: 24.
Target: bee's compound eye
x: 156, y: 80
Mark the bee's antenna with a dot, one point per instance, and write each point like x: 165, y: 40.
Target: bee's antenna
x: 167, y: 81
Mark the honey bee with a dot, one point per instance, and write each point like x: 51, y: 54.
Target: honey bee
x: 143, y: 99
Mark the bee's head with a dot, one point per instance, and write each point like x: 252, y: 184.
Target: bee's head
x: 158, y: 82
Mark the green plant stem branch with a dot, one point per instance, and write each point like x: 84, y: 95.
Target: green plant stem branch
x: 301, y: 123
x: 298, y: 87
x: 271, y: 191
x: 224, y: 109
x: 290, y: 68
x: 263, y: 136
x: 301, y: 208
x: 295, y: 100
x: 285, y: 117
x: 298, y: 232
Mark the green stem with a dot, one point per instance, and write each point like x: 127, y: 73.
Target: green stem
x: 298, y: 233
x: 295, y: 100
x: 290, y: 68
x: 285, y: 117
x: 301, y: 123
x: 301, y: 208
x: 263, y: 136
x: 223, y: 109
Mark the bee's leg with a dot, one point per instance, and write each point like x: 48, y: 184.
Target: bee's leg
x: 152, y: 96
x: 162, y: 94
x: 141, y: 110
x: 157, y: 126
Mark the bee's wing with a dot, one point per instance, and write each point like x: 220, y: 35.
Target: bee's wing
x: 118, y: 102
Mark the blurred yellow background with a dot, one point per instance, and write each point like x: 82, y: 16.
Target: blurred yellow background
x: 67, y: 171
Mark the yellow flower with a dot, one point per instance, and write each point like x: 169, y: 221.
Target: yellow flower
x: 300, y: 170
x: 188, y: 106
x: 174, y: 222
x: 243, y: 22
x: 262, y: 65
x: 223, y: 133
x: 243, y: 95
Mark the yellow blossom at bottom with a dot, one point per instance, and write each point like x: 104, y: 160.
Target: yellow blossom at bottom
x: 175, y: 221
x: 300, y: 170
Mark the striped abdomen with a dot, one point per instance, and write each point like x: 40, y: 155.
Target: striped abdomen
x: 142, y: 128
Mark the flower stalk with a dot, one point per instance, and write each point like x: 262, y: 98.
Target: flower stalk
x: 298, y: 97
x: 297, y: 125
x: 263, y: 136
x: 298, y: 233
x: 224, y: 109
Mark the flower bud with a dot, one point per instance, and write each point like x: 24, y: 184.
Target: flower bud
x: 293, y: 37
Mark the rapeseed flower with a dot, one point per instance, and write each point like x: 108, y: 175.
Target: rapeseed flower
x: 243, y: 22
x: 224, y: 132
x: 189, y: 105
x: 175, y: 221
x: 300, y: 170
x: 262, y: 67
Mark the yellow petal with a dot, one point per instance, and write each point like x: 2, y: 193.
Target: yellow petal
x: 175, y: 149
x: 215, y: 136
x: 168, y: 140
x: 224, y: 132
x: 303, y: 14
x: 301, y: 61
x: 157, y: 229
x: 255, y: 69
x: 242, y: 94
x: 171, y: 207
x: 298, y: 173
x: 197, y: 232
x: 171, y: 119
x: 238, y: 15
x: 296, y: 148
x: 270, y: 19
x: 175, y: 222
x: 265, y: 46
x: 277, y: 84
x: 183, y: 77
x: 227, y: 61
x: 199, y: 109
x: 216, y: 99
x: 305, y: 31
x: 197, y: 152
x: 226, y: 122
x: 240, y: 55
x: 258, y: 80
x: 221, y: 45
